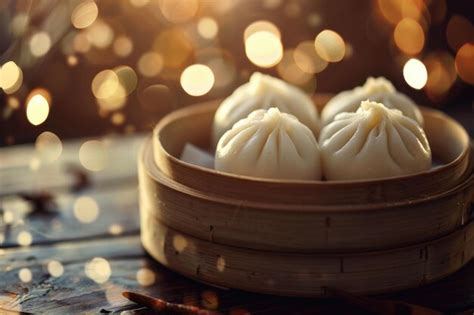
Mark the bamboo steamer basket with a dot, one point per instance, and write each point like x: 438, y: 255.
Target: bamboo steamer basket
x: 298, y: 237
x: 328, y: 216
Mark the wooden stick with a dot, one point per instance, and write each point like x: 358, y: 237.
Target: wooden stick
x: 164, y: 307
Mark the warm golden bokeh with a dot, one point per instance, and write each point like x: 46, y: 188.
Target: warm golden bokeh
x: 37, y: 109
x: 441, y: 74
x: 465, y: 63
x: 264, y: 49
x: 48, y: 146
x: 459, y: 31
x: 289, y: 71
x: 93, y: 155
x: 40, y: 43
x: 307, y: 59
x: 146, y: 277
x: 330, y: 46
x: 55, y: 268
x: 415, y: 73
x: 150, y: 64
x: 11, y: 77
x: 98, y: 269
x: 197, y: 80
x: 207, y: 27
x: 178, y: 11
x: 86, y: 209
x: 260, y: 26
x: 409, y: 36
x: 84, y: 14
x: 25, y: 275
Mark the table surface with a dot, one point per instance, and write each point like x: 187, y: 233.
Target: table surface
x: 32, y: 238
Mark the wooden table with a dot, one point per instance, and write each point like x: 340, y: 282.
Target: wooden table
x: 49, y: 258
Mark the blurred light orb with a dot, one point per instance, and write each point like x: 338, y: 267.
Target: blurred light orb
x: 34, y: 164
x: 117, y: 119
x: 81, y: 43
x: 84, y: 14
x: 123, y: 46
x: 441, y: 74
x: 115, y: 229
x: 105, y: 84
x: 207, y: 27
x: 197, y: 79
x: 459, y: 31
x: 178, y: 11
x: 150, y: 64
x: 93, y: 155
x: 100, y: 34
x: 55, y: 268
x: 19, y: 24
x: 415, y: 73
x: 25, y: 275
x: 264, y: 49
x: 175, y: 47
x: 40, y: 43
x: 409, y: 36
x: 139, y: 3
x: 179, y: 243
x: 307, y: 59
x: 272, y: 4
x: 465, y: 63
x: 127, y: 78
x: 314, y: 19
x: 48, y: 146
x: 72, y: 60
x: 11, y: 77
x: 98, y: 269
x: 37, y: 109
x: 220, y: 264
x: 292, y: 9
x: 24, y: 238
x: 289, y: 71
x: 224, y: 71
x: 113, y: 102
x: 260, y: 26
x: 13, y: 102
x: 391, y: 10
x: 330, y: 46
x: 86, y: 209
x: 145, y: 277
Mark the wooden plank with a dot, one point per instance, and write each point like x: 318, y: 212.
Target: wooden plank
x: 116, y: 209
x: 74, y: 291
x: 22, y: 170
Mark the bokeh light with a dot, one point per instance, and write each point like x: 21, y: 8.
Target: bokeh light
x: 84, y: 14
x: 197, y: 79
x: 289, y: 70
x: 330, y: 46
x: 98, y: 269
x: 441, y: 74
x: 24, y: 238
x: 105, y: 84
x: 459, y: 31
x: 115, y: 229
x: 11, y: 77
x: 123, y: 46
x: 415, y: 73
x: 100, y: 34
x: 261, y: 26
x: 178, y: 11
x: 19, y: 24
x: 179, y: 243
x: 93, y: 155
x: 25, y: 275
x: 145, y: 277
x: 207, y: 27
x: 465, y: 63
x: 37, y: 109
x: 150, y: 64
x: 55, y: 268
x: 220, y: 264
x: 409, y: 36
x: 174, y: 46
x: 264, y: 49
x: 307, y: 59
x: 86, y: 209
x: 48, y: 146
x: 40, y: 43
